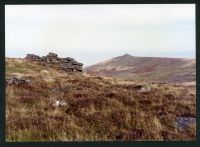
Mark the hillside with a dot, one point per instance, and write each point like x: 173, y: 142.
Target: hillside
x: 44, y: 103
x: 168, y: 70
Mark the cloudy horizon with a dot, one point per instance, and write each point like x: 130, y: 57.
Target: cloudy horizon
x: 92, y: 33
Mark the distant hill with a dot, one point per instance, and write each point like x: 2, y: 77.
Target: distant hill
x: 157, y: 69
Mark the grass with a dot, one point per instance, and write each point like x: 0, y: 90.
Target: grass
x: 99, y: 109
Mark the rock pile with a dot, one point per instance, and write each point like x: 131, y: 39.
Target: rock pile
x: 17, y: 81
x: 67, y: 64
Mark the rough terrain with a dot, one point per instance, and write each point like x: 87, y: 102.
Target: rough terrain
x: 50, y: 104
x: 156, y: 69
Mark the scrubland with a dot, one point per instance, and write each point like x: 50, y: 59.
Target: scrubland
x: 96, y: 109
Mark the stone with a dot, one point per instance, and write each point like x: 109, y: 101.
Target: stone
x: 17, y: 81
x: 69, y: 59
x: 55, y: 60
x: 60, y: 103
x: 145, y: 89
x: 44, y: 58
x: 76, y: 63
x: 52, y: 54
x: 184, y: 122
x: 52, y: 60
x: 32, y: 56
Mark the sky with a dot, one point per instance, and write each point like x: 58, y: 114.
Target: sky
x: 93, y: 33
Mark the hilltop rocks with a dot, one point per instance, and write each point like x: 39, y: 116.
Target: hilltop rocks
x: 32, y: 57
x: 67, y: 64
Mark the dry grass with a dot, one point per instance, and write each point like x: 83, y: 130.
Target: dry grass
x: 97, y: 108
x: 168, y: 70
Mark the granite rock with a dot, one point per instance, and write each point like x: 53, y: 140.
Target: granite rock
x: 67, y: 64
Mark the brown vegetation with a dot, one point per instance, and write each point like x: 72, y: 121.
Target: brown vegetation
x: 100, y: 109
x: 157, y: 69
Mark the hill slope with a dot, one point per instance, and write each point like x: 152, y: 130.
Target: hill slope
x: 156, y: 69
x: 47, y: 104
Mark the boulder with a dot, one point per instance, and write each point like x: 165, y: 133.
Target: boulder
x: 44, y: 58
x: 145, y: 89
x: 68, y: 59
x: 32, y: 56
x: 60, y: 103
x: 54, y: 60
x: 51, y: 54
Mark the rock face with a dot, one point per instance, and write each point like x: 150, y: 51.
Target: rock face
x: 67, y: 64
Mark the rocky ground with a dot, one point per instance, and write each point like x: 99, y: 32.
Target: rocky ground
x: 48, y: 104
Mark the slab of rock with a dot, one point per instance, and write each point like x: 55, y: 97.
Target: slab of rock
x: 69, y: 59
x: 44, y: 58
x: 32, y: 56
x: 52, y: 54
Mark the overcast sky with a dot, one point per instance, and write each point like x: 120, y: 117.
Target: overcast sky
x: 92, y: 33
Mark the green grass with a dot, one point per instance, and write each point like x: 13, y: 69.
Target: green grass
x: 12, y: 69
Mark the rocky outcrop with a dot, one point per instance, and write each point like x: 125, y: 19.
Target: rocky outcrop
x: 67, y: 64
x: 17, y: 81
